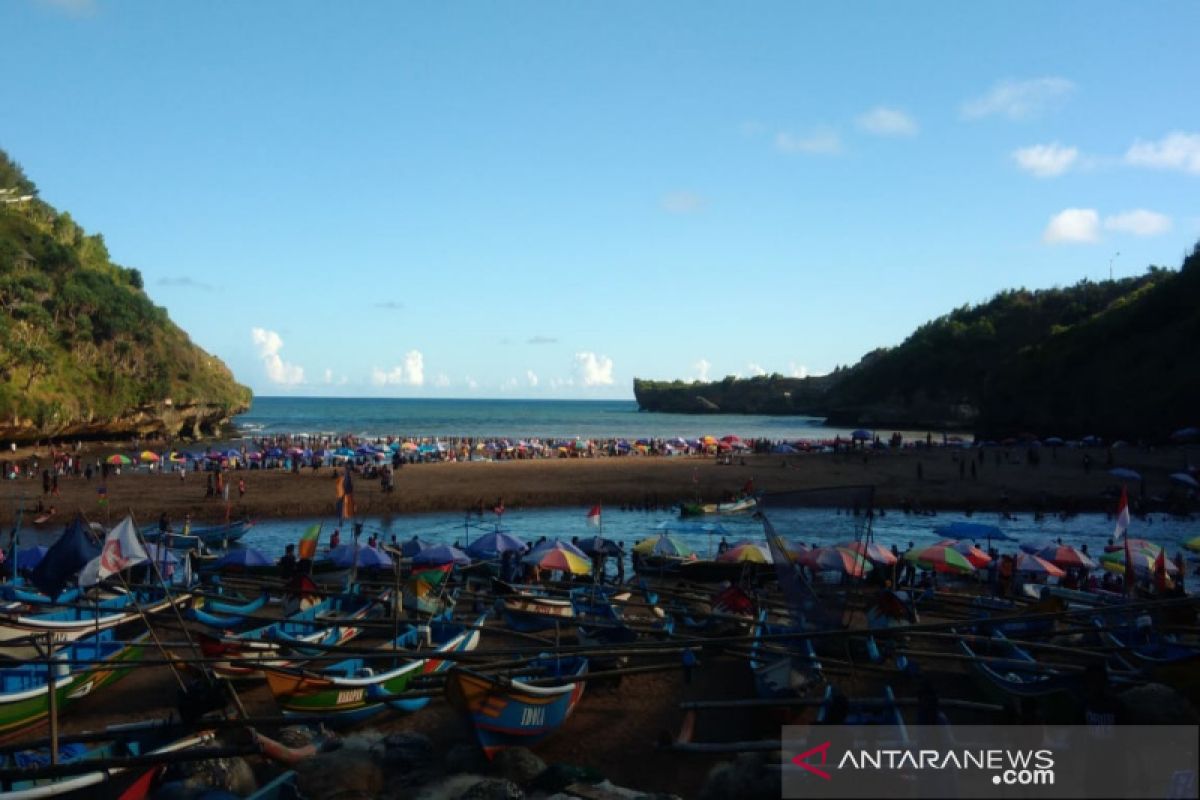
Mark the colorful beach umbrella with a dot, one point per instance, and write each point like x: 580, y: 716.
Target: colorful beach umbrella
x: 872, y: 551
x: 746, y: 553
x: 177, y: 458
x: 940, y: 558
x: 1064, y: 555
x: 1143, y: 562
x: 828, y: 559
x: 977, y: 558
x: 1185, y: 479
x: 560, y: 556
x: 1135, y: 544
x: 1028, y: 562
x: 119, y: 460
x: 662, y: 544
x: 149, y: 455
x: 1193, y: 544
x: 494, y: 544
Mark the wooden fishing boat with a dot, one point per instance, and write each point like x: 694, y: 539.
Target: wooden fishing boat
x: 732, y: 507
x: 985, y: 608
x: 885, y: 711
x: 1010, y: 676
x: 783, y: 675
x: 224, y: 615
x: 280, y: 644
x: 218, y: 536
x: 529, y: 613
x: 349, y: 691
x: 66, y: 625
x: 24, y: 688
x: 514, y: 712
x: 132, y: 740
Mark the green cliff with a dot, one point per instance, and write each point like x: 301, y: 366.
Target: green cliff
x: 83, y: 351
x: 1115, y: 358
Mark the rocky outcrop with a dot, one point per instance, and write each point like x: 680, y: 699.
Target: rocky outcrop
x: 184, y: 421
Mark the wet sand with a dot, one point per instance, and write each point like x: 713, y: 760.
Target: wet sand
x: 1058, y: 483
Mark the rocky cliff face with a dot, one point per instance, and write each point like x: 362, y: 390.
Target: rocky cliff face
x: 84, y: 352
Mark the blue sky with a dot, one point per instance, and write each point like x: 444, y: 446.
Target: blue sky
x: 547, y: 199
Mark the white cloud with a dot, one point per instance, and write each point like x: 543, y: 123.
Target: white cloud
x: 682, y: 202
x: 442, y: 380
x: 1046, y: 160
x: 702, y: 367
x: 883, y: 121
x: 797, y: 370
x: 414, y: 367
x: 755, y: 369
x: 1018, y: 99
x: 1139, y: 222
x: 532, y: 377
x: 1176, y: 150
x: 594, y: 370
x: 278, y: 371
x: 822, y: 141
x: 328, y: 376
x: 410, y: 373
x: 1073, y: 225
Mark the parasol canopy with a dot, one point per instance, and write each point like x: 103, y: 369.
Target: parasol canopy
x: 596, y: 546
x: 1064, y: 555
x: 1143, y: 562
x: 1028, y: 562
x: 976, y: 557
x: 492, y: 545
x: 828, y: 559
x: 940, y: 558
x: 441, y: 554
x: 560, y: 556
x: 662, y: 544
x: 1185, y: 479
x: 413, y: 546
x: 344, y: 556
x: 1124, y: 473
x: 243, y: 557
x: 746, y: 553
x: 149, y: 455
x: 872, y: 551
x: 119, y: 460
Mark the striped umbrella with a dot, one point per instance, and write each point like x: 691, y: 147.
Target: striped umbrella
x: 150, y: 455
x: 976, y: 557
x: 1027, y: 562
x: 1063, y: 555
x: 940, y: 558
x: 828, y: 559
x: 662, y: 544
x: 746, y: 553
x: 560, y: 558
x: 1143, y: 562
x: 1144, y: 545
x: 873, y: 551
x: 119, y: 460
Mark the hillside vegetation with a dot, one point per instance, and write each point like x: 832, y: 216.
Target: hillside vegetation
x: 83, y: 350
x: 1115, y: 358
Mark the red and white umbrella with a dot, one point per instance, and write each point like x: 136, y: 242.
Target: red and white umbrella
x: 872, y: 551
x: 825, y: 559
x: 1064, y: 555
x: 975, y: 557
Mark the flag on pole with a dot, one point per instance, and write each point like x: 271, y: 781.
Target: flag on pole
x: 344, y: 486
x: 593, y: 516
x: 1122, y: 515
x: 308, y: 542
x: 121, y: 550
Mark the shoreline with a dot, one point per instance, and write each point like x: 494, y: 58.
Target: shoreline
x: 1059, y: 483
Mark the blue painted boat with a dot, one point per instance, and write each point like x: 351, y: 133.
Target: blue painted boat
x: 1010, y: 675
x: 224, y: 616
x: 217, y: 536
x: 516, y: 712
x: 795, y: 674
x: 67, y: 625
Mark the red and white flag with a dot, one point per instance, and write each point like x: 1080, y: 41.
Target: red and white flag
x: 1122, y: 515
x: 121, y: 550
x: 593, y: 516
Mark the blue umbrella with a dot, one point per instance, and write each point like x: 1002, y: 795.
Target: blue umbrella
x: 491, y: 545
x: 972, y: 530
x: 441, y: 554
x: 1125, y: 474
x: 413, y: 546
x: 243, y: 557
x: 30, y: 557
x: 861, y: 435
x: 344, y: 556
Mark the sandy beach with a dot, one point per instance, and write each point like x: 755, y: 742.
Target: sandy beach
x: 937, y: 478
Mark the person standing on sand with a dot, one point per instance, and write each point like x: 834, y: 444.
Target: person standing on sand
x: 241, y: 488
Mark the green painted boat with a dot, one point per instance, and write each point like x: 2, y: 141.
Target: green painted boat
x: 24, y: 689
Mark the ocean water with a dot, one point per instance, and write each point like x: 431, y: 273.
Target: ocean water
x: 589, y: 419
x: 820, y: 526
